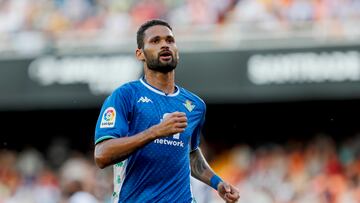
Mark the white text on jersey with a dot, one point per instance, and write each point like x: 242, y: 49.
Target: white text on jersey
x: 169, y: 142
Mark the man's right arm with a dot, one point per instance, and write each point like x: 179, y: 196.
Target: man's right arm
x: 112, y: 151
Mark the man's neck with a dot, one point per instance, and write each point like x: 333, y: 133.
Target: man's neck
x: 162, y: 81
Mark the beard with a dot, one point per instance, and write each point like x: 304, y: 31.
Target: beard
x: 155, y: 64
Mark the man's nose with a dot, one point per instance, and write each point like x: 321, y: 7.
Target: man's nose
x: 164, y: 45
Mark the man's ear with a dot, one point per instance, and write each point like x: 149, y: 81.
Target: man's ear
x: 140, y: 55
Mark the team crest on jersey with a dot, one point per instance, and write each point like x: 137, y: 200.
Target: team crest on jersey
x: 108, y: 118
x: 189, y: 106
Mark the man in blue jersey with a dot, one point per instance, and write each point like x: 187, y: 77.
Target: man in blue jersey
x: 149, y: 129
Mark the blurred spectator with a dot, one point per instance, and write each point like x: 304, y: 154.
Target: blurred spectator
x: 77, y: 180
x: 9, y: 176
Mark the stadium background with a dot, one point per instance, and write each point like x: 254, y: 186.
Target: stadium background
x: 281, y: 81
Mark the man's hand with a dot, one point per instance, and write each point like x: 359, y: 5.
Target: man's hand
x: 228, y: 192
x: 173, y: 123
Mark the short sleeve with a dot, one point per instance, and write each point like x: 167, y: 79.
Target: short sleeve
x: 114, y: 116
x: 195, y: 138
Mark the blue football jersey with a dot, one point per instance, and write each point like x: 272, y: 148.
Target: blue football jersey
x: 159, y: 171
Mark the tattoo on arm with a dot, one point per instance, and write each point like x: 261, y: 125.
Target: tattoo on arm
x: 199, y: 167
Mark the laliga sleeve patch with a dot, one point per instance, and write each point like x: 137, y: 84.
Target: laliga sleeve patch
x: 108, y: 118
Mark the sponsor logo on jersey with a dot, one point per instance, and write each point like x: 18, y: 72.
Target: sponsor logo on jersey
x: 189, y: 106
x: 169, y: 142
x: 144, y: 100
x: 108, y: 118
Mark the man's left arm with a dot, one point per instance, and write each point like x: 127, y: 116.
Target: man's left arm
x: 201, y: 170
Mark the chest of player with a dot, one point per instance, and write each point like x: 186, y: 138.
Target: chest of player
x: 150, y: 109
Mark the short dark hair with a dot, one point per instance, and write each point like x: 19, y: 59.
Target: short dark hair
x: 141, y: 31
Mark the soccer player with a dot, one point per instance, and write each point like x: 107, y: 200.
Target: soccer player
x: 149, y: 129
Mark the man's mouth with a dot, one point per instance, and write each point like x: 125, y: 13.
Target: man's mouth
x: 165, y: 55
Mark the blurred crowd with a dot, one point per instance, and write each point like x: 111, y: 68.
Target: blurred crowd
x: 318, y: 171
x: 297, y: 14
x: 58, y: 175
x: 34, y: 24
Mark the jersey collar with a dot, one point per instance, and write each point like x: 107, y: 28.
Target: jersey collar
x: 154, y: 89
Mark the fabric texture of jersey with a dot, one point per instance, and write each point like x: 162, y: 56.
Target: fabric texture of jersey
x: 160, y: 171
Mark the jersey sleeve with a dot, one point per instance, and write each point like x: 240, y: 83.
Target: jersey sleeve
x: 114, y: 116
x: 195, y: 138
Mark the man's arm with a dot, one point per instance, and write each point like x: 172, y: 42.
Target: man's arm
x: 112, y: 151
x: 201, y: 170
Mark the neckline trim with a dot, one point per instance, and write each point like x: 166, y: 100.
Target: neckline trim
x: 157, y: 91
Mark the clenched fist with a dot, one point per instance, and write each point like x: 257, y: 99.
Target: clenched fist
x: 172, y: 123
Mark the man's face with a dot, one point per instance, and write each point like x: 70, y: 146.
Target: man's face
x: 160, y: 51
